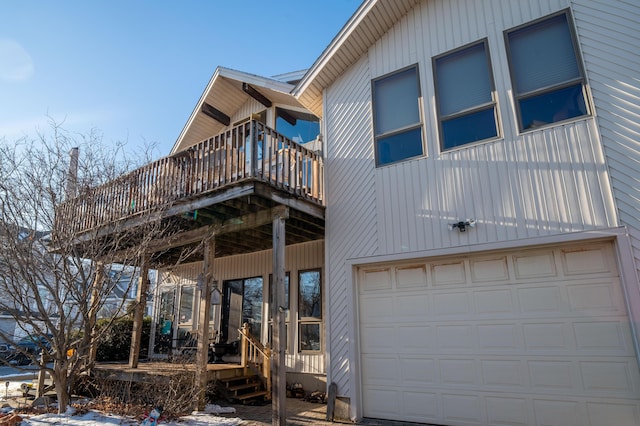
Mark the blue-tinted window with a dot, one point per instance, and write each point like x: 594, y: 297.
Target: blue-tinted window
x: 297, y: 126
x: 465, y: 102
x: 469, y: 128
x: 545, y: 72
x: 396, y: 116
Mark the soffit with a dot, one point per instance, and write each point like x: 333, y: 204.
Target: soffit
x: 370, y: 22
x: 224, y: 92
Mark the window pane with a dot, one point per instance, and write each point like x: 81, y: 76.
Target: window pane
x: 298, y: 127
x: 553, y: 106
x: 310, y: 303
x: 399, y: 147
x: 542, y: 55
x: 186, y: 304
x: 252, y: 305
x: 310, y: 337
x: 463, y: 80
x: 469, y: 128
x: 395, y: 101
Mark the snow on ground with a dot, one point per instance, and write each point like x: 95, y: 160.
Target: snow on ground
x: 93, y: 418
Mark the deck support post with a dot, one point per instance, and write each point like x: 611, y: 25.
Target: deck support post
x: 94, y: 302
x: 278, y: 311
x: 138, y: 313
x: 205, y: 284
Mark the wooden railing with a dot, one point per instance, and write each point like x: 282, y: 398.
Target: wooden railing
x: 250, y: 150
x: 256, y: 356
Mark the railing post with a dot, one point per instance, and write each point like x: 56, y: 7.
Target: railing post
x: 244, y: 345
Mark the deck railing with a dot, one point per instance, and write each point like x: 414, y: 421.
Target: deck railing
x: 253, y: 354
x: 250, y: 150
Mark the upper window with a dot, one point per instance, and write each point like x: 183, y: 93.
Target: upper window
x: 465, y: 95
x: 298, y: 126
x: 547, y: 79
x: 396, y: 116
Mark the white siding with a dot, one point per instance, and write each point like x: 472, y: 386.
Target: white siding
x: 610, y: 35
x: 297, y: 258
x: 541, y: 183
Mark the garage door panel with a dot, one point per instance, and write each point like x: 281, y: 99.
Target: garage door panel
x: 601, y: 296
x: 605, y: 336
x: 549, y: 412
x: 458, y: 372
x: 415, y: 338
x: 536, y: 337
x: 543, y: 299
x: 608, y: 377
x: 507, y: 411
x: 462, y: 408
x: 613, y: 414
x: 445, y: 304
x: 490, y: 302
x: 407, y: 307
x: 378, y: 339
x: 502, y: 373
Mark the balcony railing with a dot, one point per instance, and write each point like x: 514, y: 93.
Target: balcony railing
x: 249, y: 151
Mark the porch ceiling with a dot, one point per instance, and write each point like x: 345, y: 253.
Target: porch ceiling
x: 239, y: 217
x: 224, y: 92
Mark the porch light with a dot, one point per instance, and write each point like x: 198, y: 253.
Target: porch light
x: 462, y: 225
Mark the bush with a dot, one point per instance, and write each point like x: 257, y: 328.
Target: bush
x: 115, y: 342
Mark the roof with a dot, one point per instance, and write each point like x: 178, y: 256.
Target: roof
x: 225, y: 93
x: 372, y: 20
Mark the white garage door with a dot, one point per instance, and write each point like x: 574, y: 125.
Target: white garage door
x: 534, y: 337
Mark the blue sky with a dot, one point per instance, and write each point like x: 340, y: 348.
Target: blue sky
x: 134, y: 70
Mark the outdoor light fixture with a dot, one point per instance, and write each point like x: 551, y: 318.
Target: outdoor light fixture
x: 462, y: 226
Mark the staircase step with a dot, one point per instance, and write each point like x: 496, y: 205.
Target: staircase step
x: 255, y: 394
x: 248, y: 385
x: 238, y: 378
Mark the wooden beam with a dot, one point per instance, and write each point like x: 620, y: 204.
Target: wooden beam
x: 215, y: 113
x: 138, y: 314
x: 279, y: 383
x: 251, y: 91
x: 205, y: 284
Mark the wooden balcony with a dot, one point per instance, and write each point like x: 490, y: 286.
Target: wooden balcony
x: 244, y: 171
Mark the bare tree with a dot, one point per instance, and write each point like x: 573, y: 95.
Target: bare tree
x: 55, y: 275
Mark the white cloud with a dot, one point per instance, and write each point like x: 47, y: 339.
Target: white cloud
x: 15, y: 62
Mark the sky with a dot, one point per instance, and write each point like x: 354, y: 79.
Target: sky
x: 133, y: 70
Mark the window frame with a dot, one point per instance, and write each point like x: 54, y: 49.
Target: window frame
x: 404, y: 129
x: 493, y: 104
x: 304, y: 321
x: 582, y: 80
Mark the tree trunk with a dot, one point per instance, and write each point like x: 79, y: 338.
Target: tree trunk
x: 61, y: 382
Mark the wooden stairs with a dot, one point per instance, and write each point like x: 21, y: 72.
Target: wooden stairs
x: 245, y: 389
x: 255, y: 381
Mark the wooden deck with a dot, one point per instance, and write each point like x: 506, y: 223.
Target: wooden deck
x: 248, y: 152
x: 159, y: 371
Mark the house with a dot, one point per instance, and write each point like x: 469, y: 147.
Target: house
x: 482, y: 223
x: 453, y: 187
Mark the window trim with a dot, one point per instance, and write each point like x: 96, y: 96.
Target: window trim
x: 310, y: 320
x: 518, y: 98
x: 493, y: 104
x: 404, y: 129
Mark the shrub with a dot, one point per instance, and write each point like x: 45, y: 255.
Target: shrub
x: 115, y: 342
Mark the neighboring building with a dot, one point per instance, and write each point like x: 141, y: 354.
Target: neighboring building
x: 471, y: 256
x: 521, y: 117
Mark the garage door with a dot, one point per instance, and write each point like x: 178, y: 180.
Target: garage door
x: 534, y: 337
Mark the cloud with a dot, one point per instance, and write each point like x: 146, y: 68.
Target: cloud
x: 15, y: 62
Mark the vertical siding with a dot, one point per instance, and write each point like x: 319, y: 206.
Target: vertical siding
x: 540, y: 183
x: 350, y: 195
x: 298, y: 257
x: 610, y: 35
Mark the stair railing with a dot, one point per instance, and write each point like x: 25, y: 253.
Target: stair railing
x: 254, y: 354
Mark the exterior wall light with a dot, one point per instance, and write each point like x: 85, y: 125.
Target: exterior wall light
x: 462, y: 226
